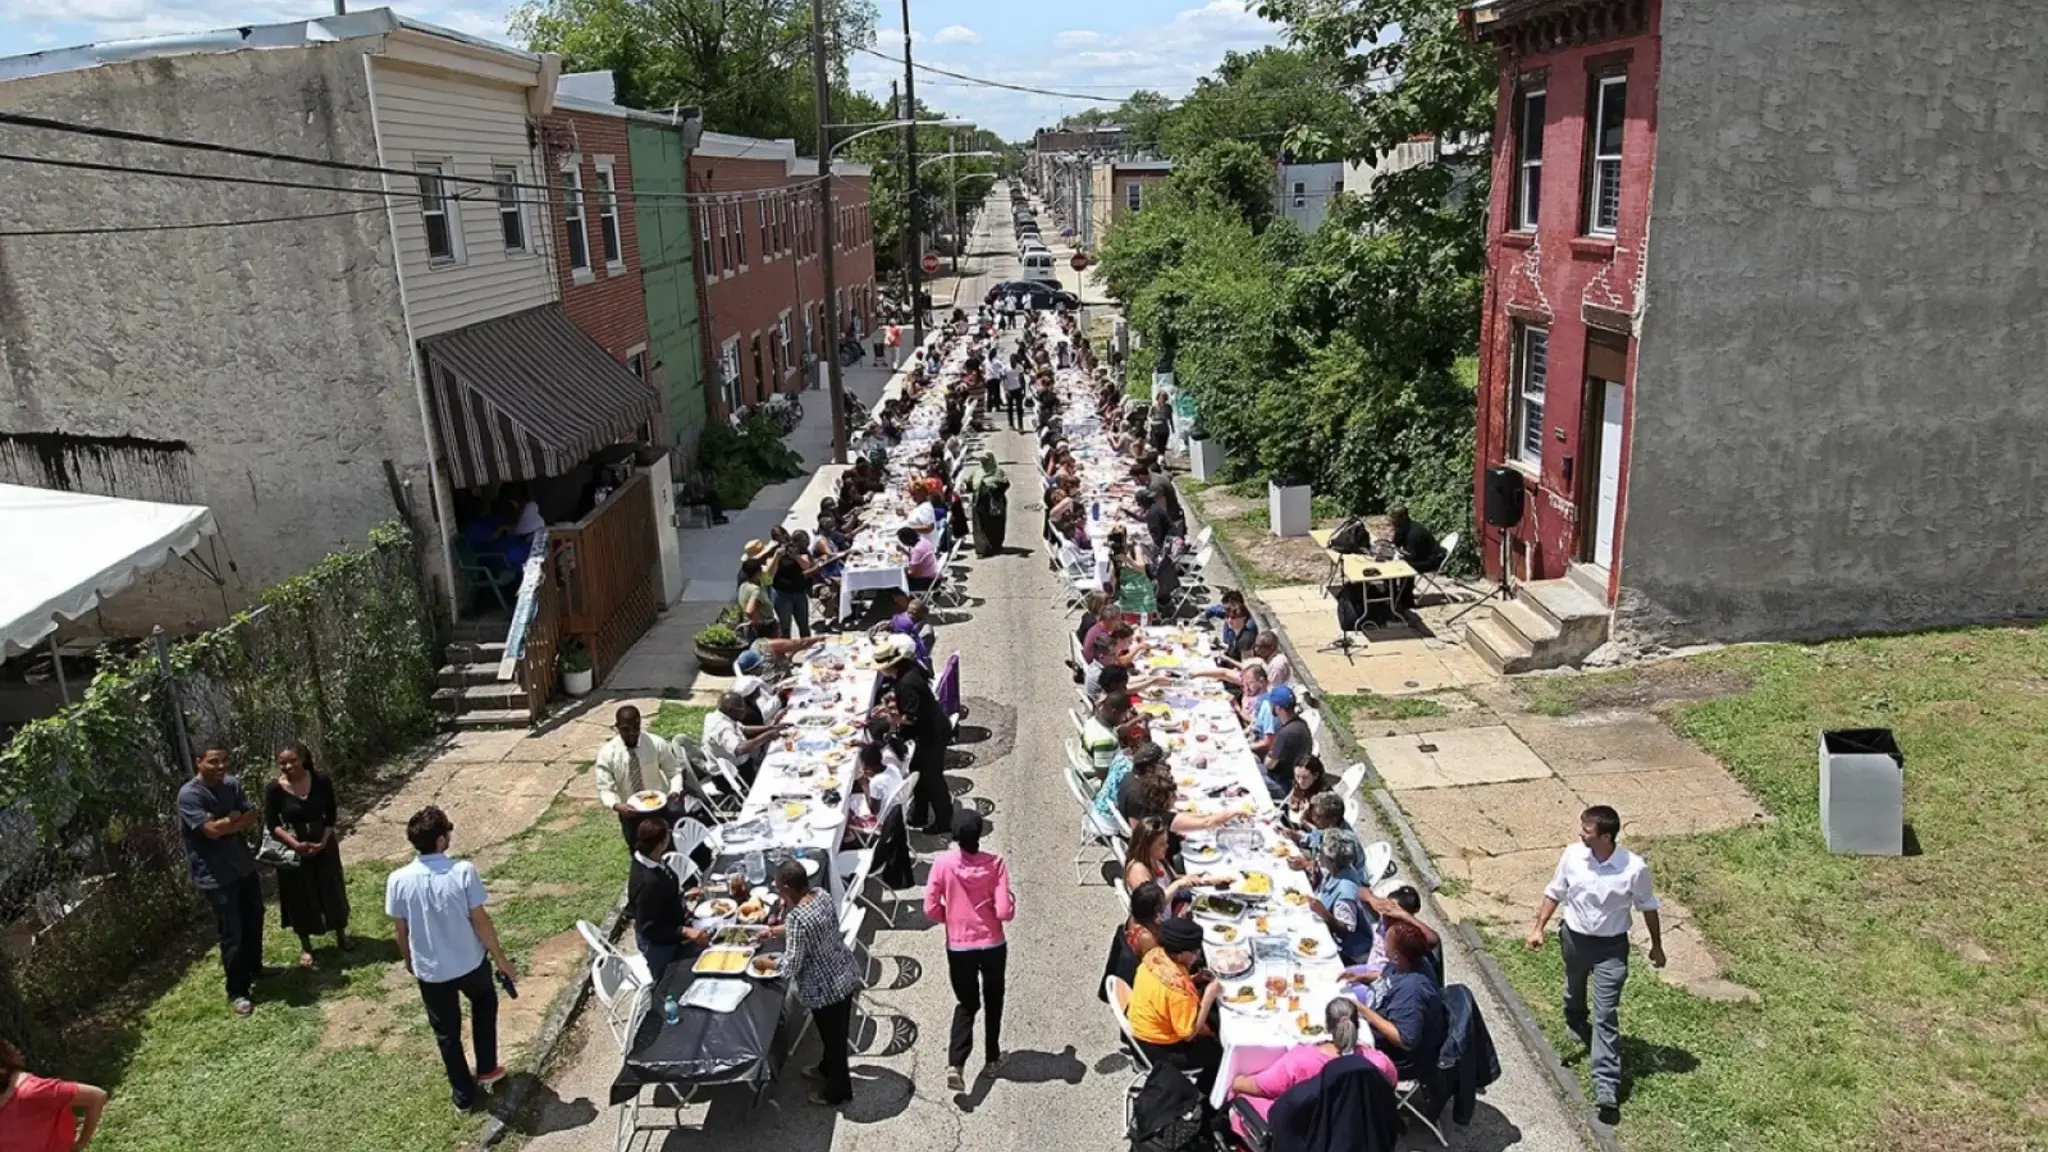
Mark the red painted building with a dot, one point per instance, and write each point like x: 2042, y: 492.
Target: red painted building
x: 758, y: 234
x: 595, y: 241
x: 1575, y: 135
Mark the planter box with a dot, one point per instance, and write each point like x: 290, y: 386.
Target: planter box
x: 578, y: 683
x: 1205, y: 458
x: 1287, y: 508
x: 1862, y: 792
x: 717, y: 661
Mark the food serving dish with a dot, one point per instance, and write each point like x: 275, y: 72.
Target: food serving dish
x: 1216, y: 933
x: 1219, y: 906
x: 722, y: 961
x: 1228, y: 960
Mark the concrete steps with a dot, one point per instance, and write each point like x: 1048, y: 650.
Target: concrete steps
x: 470, y: 695
x: 1549, y: 624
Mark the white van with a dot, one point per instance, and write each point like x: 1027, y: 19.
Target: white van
x: 1038, y: 266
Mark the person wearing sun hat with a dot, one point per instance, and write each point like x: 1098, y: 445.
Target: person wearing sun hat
x: 1172, y: 1008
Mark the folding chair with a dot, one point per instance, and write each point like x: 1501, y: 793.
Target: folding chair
x: 619, y: 981
x: 1379, y: 862
x: 689, y: 835
x: 852, y: 868
x: 1082, y: 764
x: 1434, y: 580
x: 1119, y: 1006
x: 1094, y: 834
x: 1404, y: 1097
x: 948, y: 590
x: 684, y: 868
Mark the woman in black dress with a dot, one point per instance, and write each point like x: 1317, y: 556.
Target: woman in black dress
x: 299, y: 809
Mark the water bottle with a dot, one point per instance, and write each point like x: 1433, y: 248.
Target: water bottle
x: 670, y: 1010
x: 757, y: 869
x: 1095, y: 511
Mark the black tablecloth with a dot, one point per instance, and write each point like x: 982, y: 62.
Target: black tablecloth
x: 704, y: 1047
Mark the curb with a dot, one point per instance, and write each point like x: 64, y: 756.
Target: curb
x: 547, y: 1045
x: 1579, y: 1112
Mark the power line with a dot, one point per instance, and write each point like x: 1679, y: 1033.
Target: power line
x: 186, y: 227
x: 994, y: 83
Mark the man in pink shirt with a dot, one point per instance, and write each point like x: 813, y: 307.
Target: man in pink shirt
x: 969, y: 892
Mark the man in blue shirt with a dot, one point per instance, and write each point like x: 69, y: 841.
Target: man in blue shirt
x: 213, y: 817
x: 437, y: 907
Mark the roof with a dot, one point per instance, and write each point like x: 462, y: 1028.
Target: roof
x: 725, y: 146
x: 597, y: 93
x: 529, y: 395
x: 70, y: 550
x: 1142, y: 165
x: 248, y: 37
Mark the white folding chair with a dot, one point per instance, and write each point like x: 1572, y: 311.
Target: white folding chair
x: 1314, y: 717
x: 1119, y: 994
x: 947, y: 590
x: 1434, y: 580
x: 852, y: 868
x: 1405, y: 1094
x: 684, y: 868
x: 1379, y: 862
x: 689, y: 835
x: 636, y: 965
x: 1094, y: 833
x: 1202, y: 538
x: 727, y: 790
x: 1080, y: 762
x: 1080, y: 719
x: 618, y: 980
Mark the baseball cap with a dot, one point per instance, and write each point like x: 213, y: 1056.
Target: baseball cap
x: 751, y: 659
x: 1281, y: 696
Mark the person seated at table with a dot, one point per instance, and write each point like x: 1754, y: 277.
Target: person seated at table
x: 1171, y: 1014
x: 1310, y: 781
x: 921, y: 562
x: 1292, y: 744
x: 1401, y: 906
x: 1266, y: 650
x: 1137, y: 935
x: 1413, y: 542
x: 1256, y: 710
x: 1406, y: 1013
x: 1302, y: 1062
x: 1151, y: 792
x: 727, y: 740
x: 908, y: 619
x: 887, y: 427
x: 1098, y: 732
x: 661, y: 918
x: 757, y: 608
x: 770, y: 658
x: 1324, y: 812
x: 876, y: 780
x: 1239, y: 629
x: 1337, y: 901
x: 1132, y: 736
x: 1149, y: 857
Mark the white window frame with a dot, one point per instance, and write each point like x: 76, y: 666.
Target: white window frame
x: 438, y: 203
x: 1134, y: 195
x: 1525, y: 417
x: 511, y: 208
x: 729, y: 373
x: 575, y: 222
x: 709, y: 258
x: 782, y: 338
x: 738, y: 211
x: 1604, y: 163
x: 757, y: 352
x: 725, y: 266
x: 1301, y: 194
x: 636, y: 360
x: 1528, y: 168
x: 610, y: 233
x: 767, y: 233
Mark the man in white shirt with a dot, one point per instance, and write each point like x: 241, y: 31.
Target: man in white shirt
x: 436, y: 907
x: 1598, y: 883
x: 728, y: 739
x: 633, y: 762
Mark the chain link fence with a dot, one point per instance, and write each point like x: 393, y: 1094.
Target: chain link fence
x: 92, y: 871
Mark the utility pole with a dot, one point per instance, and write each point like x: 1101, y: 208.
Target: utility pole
x: 953, y: 199
x: 828, y: 233
x: 910, y: 180
x: 905, y: 247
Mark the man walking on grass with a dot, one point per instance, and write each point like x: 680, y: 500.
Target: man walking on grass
x: 1598, y: 883
x: 437, y: 907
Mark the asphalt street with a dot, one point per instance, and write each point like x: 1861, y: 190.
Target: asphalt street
x: 1064, y: 1084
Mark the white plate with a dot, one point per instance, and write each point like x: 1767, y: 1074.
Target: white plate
x: 1216, y: 933
x: 1256, y: 1006
x: 824, y: 820
x: 711, y: 910
x: 1200, y: 853
x: 760, y: 975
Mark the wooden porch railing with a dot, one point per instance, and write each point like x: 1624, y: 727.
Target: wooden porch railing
x: 605, y: 574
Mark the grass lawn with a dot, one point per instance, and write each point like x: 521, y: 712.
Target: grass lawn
x: 1903, y: 1002
x: 676, y: 720
x: 1369, y: 706
x: 195, y: 1076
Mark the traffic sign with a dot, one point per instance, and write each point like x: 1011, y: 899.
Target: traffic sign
x: 930, y: 263
x: 1080, y: 261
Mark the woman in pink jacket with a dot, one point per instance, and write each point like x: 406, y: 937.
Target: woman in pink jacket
x: 969, y: 892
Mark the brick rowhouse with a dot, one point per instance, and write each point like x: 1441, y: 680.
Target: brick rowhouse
x: 1564, y: 272
x: 757, y: 251
x: 591, y: 172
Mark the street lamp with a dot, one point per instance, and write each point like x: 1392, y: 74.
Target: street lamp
x: 868, y: 128
x: 956, y: 156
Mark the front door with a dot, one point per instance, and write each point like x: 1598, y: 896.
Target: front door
x: 1608, y: 499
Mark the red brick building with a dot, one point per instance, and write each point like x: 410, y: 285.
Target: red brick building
x: 758, y: 254
x: 594, y: 238
x: 1576, y: 128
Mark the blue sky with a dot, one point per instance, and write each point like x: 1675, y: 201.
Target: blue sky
x: 1100, y: 47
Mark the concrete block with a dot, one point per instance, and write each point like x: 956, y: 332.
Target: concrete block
x: 1862, y: 792
x: 1287, y: 509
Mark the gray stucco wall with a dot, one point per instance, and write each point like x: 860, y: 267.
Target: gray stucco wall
x: 1841, y: 410
x: 276, y: 353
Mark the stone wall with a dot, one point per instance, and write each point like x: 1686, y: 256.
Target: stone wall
x: 1840, y: 415
x: 261, y: 370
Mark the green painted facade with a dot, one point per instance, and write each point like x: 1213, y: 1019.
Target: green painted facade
x: 668, y: 273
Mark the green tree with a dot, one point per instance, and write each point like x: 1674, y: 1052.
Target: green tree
x: 1262, y: 98
x: 1230, y: 175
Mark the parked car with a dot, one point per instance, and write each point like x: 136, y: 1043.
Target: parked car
x: 1030, y: 244
x: 1037, y: 293
x: 1039, y: 267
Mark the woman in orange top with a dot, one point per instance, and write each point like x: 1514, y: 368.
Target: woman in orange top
x: 1172, y: 1006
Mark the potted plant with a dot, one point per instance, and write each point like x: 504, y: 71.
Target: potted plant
x: 577, y: 677
x: 719, y: 644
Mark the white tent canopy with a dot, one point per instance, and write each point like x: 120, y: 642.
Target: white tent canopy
x: 62, y: 552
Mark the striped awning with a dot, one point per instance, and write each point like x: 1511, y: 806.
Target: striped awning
x: 529, y: 395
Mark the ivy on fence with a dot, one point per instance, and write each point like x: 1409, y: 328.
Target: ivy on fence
x: 91, y: 864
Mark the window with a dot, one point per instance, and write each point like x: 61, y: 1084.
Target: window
x: 1603, y: 191
x: 782, y: 340
x: 1134, y: 195
x: 1528, y: 159
x: 1532, y: 370
x: 778, y: 219
x: 437, y: 214
x: 1300, y: 194
x: 738, y: 223
x: 710, y: 257
x: 572, y: 219
x: 636, y: 362
x: 767, y: 239
x: 725, y: 260
x: 729, y: 373
x: 511, y: 221
x: 761, y: 384
x: 608, y: 216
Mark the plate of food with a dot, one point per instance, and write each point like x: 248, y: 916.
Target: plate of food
x: 1243, y: 998
x: 1295, y: 898
x: 842, y: 729
x: 1160, y: 711
x: 1218, y: 906
x: 794, y: 810
x: 717, y: 909
x: 766, y: 967
x: 1163, y: 660
x: 1257, y: 883
x: 1229, y: 960
x: 836, y: 756
x: 1195, y: 853
x: 1310, y: 948
x: 753, y: 911
x: 722, y: 961
x: 1308, y: 1029
x: 1222, y: 933
x: 647, y: 801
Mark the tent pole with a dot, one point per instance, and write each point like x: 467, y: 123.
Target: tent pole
x: 163, y: 663
x: 57, y: 661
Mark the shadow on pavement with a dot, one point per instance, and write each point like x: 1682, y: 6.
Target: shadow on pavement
x: 544, y: 1110
x: 1026, y: 1066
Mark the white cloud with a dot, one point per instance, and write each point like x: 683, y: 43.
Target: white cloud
x: 133, y: 19
x: 957, y: 34
x: 1076, y: 38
